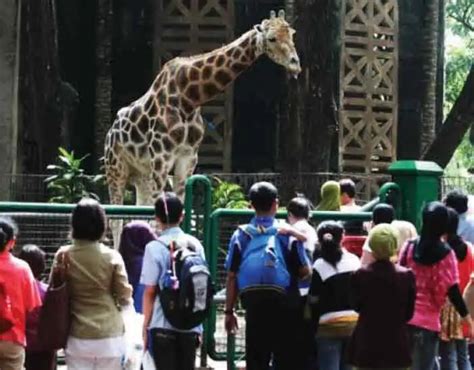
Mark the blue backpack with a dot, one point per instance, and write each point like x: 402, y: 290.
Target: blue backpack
x: 263, y: 264
x: 187, y: 293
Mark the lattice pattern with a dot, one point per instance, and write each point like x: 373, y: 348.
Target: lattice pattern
x: 186, y: 27
x: 368, y: 80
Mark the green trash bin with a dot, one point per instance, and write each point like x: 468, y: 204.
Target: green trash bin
x: 420, y: 183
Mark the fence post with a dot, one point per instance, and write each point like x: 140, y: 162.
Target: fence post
x: 419, y: 184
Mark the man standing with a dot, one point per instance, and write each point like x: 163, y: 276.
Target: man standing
x: 264, y: 267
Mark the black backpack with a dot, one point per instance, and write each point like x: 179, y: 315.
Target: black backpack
x: 187, y: 293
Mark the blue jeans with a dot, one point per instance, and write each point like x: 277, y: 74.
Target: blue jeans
x: 138, y: 291
x: 425, y: 345
x: 454, y: 355
x: 331, y: 353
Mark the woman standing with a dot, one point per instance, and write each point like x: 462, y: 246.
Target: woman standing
x: 384, y: 296
x: 135, y: 236
x: 20, y: 294
x: 329, y: 297
x: 454, y: 346
x: 98, y: 285
x: 436, y: 274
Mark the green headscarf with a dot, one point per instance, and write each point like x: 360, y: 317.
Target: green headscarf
x: 383, y: 241
x: 330, y: 197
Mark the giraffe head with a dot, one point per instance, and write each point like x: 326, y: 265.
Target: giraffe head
x: 275, y: 39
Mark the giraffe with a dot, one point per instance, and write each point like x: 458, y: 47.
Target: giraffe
x: 162, y: 130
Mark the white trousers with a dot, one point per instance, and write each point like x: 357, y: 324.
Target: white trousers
x: 93, y: 363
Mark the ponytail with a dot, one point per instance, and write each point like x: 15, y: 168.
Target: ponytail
x: 330, y: 236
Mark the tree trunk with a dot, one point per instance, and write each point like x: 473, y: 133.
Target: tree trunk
x: 8, y: 61
x: 46, y: 100
x: 455, y: 127
x: 429, y: 46
x: 308, y: 115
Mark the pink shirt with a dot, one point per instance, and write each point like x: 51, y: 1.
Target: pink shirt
x: 21, y: 288
x: 432, y: 285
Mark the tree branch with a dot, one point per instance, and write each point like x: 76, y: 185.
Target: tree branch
x: 463, y: 21
x: 460, y: 118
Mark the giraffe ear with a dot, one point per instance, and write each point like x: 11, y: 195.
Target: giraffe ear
x: 272, y: 14
x: 281, y: 13
x: 258, y: 28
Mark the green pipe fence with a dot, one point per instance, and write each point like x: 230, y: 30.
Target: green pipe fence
x: 223, y: 223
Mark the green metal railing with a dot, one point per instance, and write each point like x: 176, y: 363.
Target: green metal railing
x: 234, y: 217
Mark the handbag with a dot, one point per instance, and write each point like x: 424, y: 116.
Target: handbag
x: 6, y: 316
x: 54, y: 320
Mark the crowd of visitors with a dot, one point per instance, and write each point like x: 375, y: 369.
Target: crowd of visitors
x: 338, y: 296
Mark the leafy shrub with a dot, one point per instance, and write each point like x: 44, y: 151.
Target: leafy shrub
x: 228, y: 195
x: 69, y: 183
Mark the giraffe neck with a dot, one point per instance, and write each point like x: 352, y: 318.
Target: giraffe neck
x: 218, y: 68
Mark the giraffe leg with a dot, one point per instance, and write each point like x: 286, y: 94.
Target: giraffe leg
x: 145, y: 188
x: 116, y: 193
x: 184, y: 168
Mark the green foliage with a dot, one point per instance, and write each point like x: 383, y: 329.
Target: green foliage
x: 69, y: 183
x: 459, y: 58
x: 227, y: 195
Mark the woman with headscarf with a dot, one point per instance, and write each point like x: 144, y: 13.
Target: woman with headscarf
x: 330, y: 197
x: 434, y: 264
x: 135, y: 236
x: 384, y: 296
x: 454, y: 346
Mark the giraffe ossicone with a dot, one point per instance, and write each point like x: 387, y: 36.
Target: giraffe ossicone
x: 162, y: 130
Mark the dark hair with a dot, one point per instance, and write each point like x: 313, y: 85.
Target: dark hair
x: 88, y: 220
x: 35, y: 257
x: 454, y: 240
x: 435, y: 221
x: 329, y: 236
x: 262, y: 195
x: 168, y: 208
x: 383, y: 213
x: 299, y: 207
x: 457, y: 200
x: 8, y: 230
x: 348, y: 187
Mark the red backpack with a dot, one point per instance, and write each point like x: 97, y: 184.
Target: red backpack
x: 6, y: 316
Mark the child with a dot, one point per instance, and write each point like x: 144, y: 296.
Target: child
x: 36, y: 357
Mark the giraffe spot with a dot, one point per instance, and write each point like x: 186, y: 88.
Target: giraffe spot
x: 173, y: 101
x: 172, y: 119
x: 194, y: 74
x: 237, y: 53
x: 167, y: 143
x: 160, y: 126
x: 135, y: 113
x: 158, y: 165
x: 149, y: 136
x: 244, y: 43
x: 244, y: 59
x: 238, y: 67
x: 143, y: 124
x: 131, y: 148
x: 192, y: 92
x: 161, y: 111
x: 198, y: 64
x: 177, y: 135
x: 156, y: 145
x: 135, y: 136
x: 194, y: 135
x: 161, y: 97
x: 142, y: 150
x: 158, y: 82
x: 126, y: 126
x: 222, y: 78
x: 210, y: 89
x: 153, y: 111
x: 207, y: 72
x: 181, y: 79
x: 229, y: 52
x: 124, y: 137
x: 211, y: 59
x: 186, y: 106
x: 250, y: 54
x: 148, y: 103
x: 172, y: 87
x: 220, y: 61
x: 167, y: 157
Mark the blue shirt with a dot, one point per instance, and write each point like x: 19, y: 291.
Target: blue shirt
x: 156, y: 262
x: 466, y: 227
x: 239, y: 238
